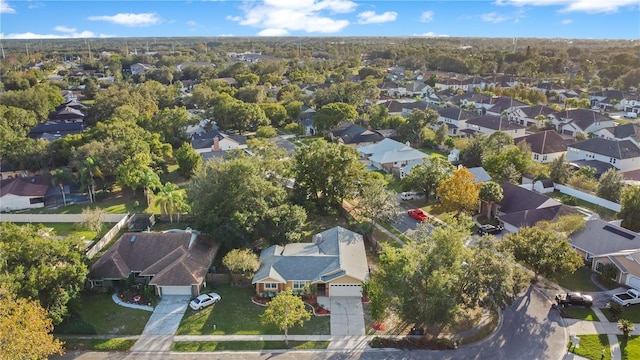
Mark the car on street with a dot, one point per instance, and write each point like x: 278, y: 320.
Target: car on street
x: 490, y: 229
x: 408, y: 195
x: 574, y: 299
x: 418, y: 214
x: 204, y: 300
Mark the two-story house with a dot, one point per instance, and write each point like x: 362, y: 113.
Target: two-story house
x: 629, y: 132
x: 391, y: 156
x: 623, y: 155
x: 455, y: 118
x: 574, y: 121
x: 488, y: 124
x: 528, y: 116
x: 546, y: 146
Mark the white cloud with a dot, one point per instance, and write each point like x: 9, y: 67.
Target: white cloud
x: 35, y: 4
x: 426, y: 16
x: 128, y: 19
x: 273, y: 32
x: 370, y: 17
x: 192, y: 23
x: 6, y: 8
x: 493, y: 17
x: 66, y: 35
x: 588, y: 6
x: 566, y: 21
x: 431, y: 34
x: 64, y: 29
x: 280, y: 17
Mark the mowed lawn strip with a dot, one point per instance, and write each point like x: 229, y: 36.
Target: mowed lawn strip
x: 579, y: 313
x: 187, y: 346
x: 591, y: 347
x: 98, y: 344
x: 98, y: 314
x: 236, y: 314
x: 630, y: 347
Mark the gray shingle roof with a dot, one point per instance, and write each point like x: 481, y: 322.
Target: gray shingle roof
x: 494, y: 122
x: 624, y: 149
x: 340, y: 253
x: 545, y: 142
x: 597, y: 238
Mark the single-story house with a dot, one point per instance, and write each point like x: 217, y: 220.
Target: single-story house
x: 391, y: 156
x: 175, y: 263
x: 24, y: 192
x: 522, y: 207
x: 217, y: 141
x: 601, y: 242
x: 354, y: 135
x: 335, y: 263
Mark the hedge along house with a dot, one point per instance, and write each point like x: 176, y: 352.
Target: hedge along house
x: 335, y: 263
x: 175, y: 263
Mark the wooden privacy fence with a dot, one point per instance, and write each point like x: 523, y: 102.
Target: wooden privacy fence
x: 95, y: 247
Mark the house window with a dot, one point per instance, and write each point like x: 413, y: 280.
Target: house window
x: 536, y: 156
x: 612, y: 161
x: 270, y: 286
x: 298, y: 284
x: 97, y: 283
x: 544, y: 158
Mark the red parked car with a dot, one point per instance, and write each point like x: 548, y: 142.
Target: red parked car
x: 418, y: 214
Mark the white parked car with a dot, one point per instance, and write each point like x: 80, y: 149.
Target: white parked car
x: 204, y: 300
x: 409, y: 195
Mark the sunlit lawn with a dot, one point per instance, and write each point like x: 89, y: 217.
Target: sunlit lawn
x: 630, y: 348
x: 98, y: 344
x: 98, y: 314
x: 71, y: 230
x: 591, y: 347
x: 579, y: 313
x: 236, y: 314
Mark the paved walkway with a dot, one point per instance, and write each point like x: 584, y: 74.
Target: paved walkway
x: 117, y: 300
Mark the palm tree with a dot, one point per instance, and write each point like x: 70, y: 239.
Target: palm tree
x: 626, y: 326
x: 89, y: 170
x: 150, y: 181
x: 171, y: 200
x: 58, y: 178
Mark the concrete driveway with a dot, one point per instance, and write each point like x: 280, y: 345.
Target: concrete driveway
x: 347, y: 316
x: 158, y: 334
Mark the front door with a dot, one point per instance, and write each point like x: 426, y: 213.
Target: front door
x: 322, y: 290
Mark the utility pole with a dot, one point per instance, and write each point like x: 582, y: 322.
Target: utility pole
x: 27, y: 47
x: 2, y: 48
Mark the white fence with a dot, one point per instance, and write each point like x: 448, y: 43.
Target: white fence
x: 92, y: 251
x: 54, y: 218
x: 588, y: 197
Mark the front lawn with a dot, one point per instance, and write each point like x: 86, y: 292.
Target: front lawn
x: 73, y: 230
x: 98, y: 344
x: 579, y: 313
x: 98, y: 314
x: 630, y: 348
x: 591, y: 347
x: 579, y: 281
x: 631, y: 313
x: 187, y: 346
x: 236, y: 314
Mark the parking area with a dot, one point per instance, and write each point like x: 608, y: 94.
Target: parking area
x: 167, y: 315
x: 347, y: 316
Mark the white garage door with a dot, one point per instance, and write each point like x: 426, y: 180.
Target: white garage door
x: 633, y: 281
x: 345, y: 290
x: 175, y: 290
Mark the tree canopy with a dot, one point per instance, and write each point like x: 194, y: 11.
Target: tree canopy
x: 53, y: 272
x: 427, y: 176
x: 459, y: 193
x: 285, y: 311
x: 630, y: 212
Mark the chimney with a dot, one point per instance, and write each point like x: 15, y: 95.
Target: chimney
x: 317, y: 238
x: 216, y: 144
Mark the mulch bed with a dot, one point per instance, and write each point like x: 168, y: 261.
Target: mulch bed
x: 317, y: 309
x: 135, y: 295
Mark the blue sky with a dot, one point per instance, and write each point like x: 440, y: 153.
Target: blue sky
x: 597, y: 19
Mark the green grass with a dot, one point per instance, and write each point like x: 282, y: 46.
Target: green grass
x: 98, y: 314
x: 391, y: 181
x: 579, y: 280
x: 591, y: 347
x: 395, y: 232
x: 631, y: 313
x: 72, y: 230
x: 432, y: 152
x: 630, y: 348
x: 579, y: 313
x: 187, y: 346
x: 383, y: 238
x: 236, y: 314
x: 306, y: 141
x: 98, y: 344
x: 604, y: 213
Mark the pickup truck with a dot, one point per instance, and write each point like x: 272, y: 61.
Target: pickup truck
x: 632, y: 296
x: 574, y: 299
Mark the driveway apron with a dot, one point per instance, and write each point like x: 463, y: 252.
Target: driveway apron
x: 347, y: 316
x: 163, y: 324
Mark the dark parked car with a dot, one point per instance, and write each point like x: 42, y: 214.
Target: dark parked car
x: 490, y: 229
x: 574, y: 299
